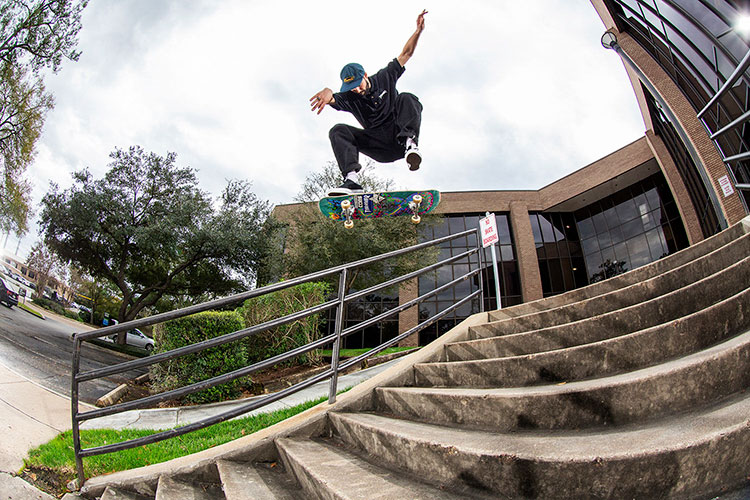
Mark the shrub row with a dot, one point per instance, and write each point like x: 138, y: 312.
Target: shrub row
x: 234, y: 355
x: 56, y: 308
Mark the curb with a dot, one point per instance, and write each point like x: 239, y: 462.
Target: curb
x: 33, y: 312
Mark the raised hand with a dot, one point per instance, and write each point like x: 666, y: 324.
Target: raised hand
x: 321, y: 99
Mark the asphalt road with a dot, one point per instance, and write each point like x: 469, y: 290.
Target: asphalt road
x: 42, y: 350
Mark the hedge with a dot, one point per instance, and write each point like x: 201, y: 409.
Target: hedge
x: 286, y: 337
x: 55, y: 308
x: 202, y: 365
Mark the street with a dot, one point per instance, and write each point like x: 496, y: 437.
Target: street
x: 42, y: 351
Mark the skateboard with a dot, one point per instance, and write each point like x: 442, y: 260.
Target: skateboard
x: 376, y: 205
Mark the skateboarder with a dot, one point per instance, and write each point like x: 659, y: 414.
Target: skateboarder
x: 390, y: 121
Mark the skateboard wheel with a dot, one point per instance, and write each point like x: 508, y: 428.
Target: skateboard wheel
x: 416, y: 219
x: 349, y: 224
x: 346, y: 204
x: 417, y: 199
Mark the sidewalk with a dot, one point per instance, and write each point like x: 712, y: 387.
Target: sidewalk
x: 31, y: 415
x: 168, y: 418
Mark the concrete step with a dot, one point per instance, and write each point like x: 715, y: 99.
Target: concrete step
x: 606, y: 357
x: 112, y: 493
x: 692, y: 455
x: 636, y: 275
x: 172, y: 489
x: 329, y: 472
x: 247, y: 481
x: 642, y: 291
x: 669, y: 307
x: 679, y: 385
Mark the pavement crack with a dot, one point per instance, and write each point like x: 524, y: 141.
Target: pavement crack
x: 30, y: 416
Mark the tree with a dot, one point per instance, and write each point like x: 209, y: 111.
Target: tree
x: 23, y: 107
x: 147, y: 229
x: 314, y: 243
x: 45, y: 264
x: 609, y: 268
x: 95, y: 294
x: 33, y: 35
x: 40, y: 33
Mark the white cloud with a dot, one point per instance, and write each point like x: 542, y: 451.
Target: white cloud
x: 516, y: 94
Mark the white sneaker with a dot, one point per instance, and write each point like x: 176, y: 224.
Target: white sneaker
x: 413, y: 157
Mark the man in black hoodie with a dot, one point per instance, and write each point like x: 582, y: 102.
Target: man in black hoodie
x: 390, y: 121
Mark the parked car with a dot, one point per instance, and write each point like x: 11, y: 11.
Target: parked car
x: 136, y: 338
x: 7, y: 294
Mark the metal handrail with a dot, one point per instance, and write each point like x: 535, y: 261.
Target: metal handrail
x: 339, y: 303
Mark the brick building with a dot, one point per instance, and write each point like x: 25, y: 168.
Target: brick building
x: 686, y: 179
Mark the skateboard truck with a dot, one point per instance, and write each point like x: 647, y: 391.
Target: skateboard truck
x: 346, y: 212
x: 414, y: 204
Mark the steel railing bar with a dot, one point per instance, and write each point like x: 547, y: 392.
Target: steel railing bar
x: 206, y: 306
x: 738, y: 71
x: 412, y: 331
x: 241, y: 372
x: 739, y: 120
x: 738, y: 157
x: 406, y: 277
x: 203, y: 345
x: 240, y: 334
x: 206, y: 422
x: 406, y: 305
x: 337, y: 334
x: 214, y: 304
x: 204, y: 384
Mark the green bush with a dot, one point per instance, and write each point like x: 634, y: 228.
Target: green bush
x: 203, y: 365
x: 279, y: 340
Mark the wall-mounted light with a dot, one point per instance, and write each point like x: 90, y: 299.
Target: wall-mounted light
x: 609, y: 40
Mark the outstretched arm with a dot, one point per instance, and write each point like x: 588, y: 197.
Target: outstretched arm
x: 321, y: 99
x: 411, y: 44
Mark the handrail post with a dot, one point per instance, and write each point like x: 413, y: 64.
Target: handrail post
x: 480, y: 263
x: 74, y: 411
x: 337, y: 342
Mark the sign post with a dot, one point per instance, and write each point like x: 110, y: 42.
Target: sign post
x: 488, y: 230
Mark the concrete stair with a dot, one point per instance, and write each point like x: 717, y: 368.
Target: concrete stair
x: 634, y: 387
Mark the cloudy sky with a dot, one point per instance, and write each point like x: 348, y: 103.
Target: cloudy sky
x: 515, y: 94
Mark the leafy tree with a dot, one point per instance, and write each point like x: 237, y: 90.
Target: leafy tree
x: 45, y: 264
x: 147, y: 229
x: 314, y: 242
x: 95, y: 294
x: 23, y: 107
x: 40, y: 32
x: 33, y: 35
x: 609, y: 269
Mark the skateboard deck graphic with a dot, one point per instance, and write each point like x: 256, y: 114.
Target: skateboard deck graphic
x: 375, y: 205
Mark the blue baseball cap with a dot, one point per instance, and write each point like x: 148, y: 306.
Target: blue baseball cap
x: 351, y: 76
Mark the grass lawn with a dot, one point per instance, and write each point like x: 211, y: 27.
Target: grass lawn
x: 56, y: 456
x: 350, y: 353
x: 26, y: 308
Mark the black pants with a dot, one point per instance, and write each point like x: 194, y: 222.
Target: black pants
x: 383, y: 144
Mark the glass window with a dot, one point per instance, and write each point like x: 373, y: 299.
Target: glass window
x: 637, y: 241
x: 656, y: 244
x: 638, y: 251
x: 586, y: 228
x: 590, y: 245
x: 510, y: 285
x: 536, y: 229
x: 600, y: 223
x: 626, y: 210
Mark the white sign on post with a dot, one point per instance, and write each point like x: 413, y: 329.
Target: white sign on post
x: 490, y: 238
x: 488, y: 228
